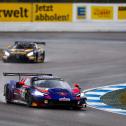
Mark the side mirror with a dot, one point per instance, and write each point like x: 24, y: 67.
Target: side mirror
x: 21, y: 83
x: 76, y: 85
x: 76, y: 89
x: 8, y: 46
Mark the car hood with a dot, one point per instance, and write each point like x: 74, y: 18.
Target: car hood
x: 20, y: 51
x: 57, y: 93
x: 43, y: 90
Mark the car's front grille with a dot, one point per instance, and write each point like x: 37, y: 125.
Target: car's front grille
x: 18, y: 57
x: 63, y: 103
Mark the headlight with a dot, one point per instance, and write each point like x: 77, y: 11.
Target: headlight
x: 78, y: 95
x: 37, y: 93
x: 82, y: 95
x: 7, y: 53
x: 30, y: 54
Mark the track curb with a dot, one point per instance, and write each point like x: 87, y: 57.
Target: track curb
x: 94, y: 98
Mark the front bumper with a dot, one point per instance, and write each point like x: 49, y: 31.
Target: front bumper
x: 63, y: 103
x: 53, y: 102
x: 19, y: 57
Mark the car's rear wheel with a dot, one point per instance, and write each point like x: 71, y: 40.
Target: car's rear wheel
x: 7, y: 94
x: 42, y: 57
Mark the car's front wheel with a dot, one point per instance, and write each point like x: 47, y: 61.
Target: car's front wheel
x: 29, y: 100
x: 5, y: 60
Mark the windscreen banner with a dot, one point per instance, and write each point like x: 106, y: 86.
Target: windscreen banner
x: 46, y: 12
x: 122, y: 12
x: 15, y: 12
x: 35, y: 12
x: 102, y: 12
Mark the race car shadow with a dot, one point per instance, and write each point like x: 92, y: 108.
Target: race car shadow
x: 20, y: 62
x: 42, y: 108
x: 61, y: 108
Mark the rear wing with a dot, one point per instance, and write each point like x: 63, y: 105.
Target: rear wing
x: 40, y: 43
x: 37, y: 42
x: 26, y: 74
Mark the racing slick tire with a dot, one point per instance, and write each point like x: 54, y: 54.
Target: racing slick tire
x: 29, y: 99
x: 84, y: 106
x: 80, y: 107
x: 43, y: 57
x: 5, y: 60
x: 7, y: 94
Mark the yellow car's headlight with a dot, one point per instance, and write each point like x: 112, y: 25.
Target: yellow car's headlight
x: 7, y: 53
x: 30, y: 54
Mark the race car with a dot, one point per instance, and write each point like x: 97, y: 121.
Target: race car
x: 25, y: 51
x: 44, y: 90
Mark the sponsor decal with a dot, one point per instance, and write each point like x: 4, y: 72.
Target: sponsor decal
x: 122, y: 12
x: 81, y: 12
x: 62, y: 93
x: 64, y: 99
x: 45, y: 12
x: 36, y: 12
x: 15, y: 12
x: 102, y: 12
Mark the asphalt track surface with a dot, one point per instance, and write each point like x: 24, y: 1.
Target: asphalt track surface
x: 91, y: 59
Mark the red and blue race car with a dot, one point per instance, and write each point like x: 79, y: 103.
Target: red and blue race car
x: 38, y: 89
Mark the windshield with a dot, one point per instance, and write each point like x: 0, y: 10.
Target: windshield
x: 24, y: 46
x: 51, y: 84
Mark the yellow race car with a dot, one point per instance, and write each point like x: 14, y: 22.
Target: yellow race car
x: 25, y: 51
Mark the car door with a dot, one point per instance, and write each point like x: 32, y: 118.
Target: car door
x: 24, y: 88
x: 20, y: 90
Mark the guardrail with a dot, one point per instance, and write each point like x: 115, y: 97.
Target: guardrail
x: 71, y: 17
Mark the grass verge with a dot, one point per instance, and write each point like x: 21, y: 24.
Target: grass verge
x: 123, y: 98
x: 117, y: 99
x: 1, y: 53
